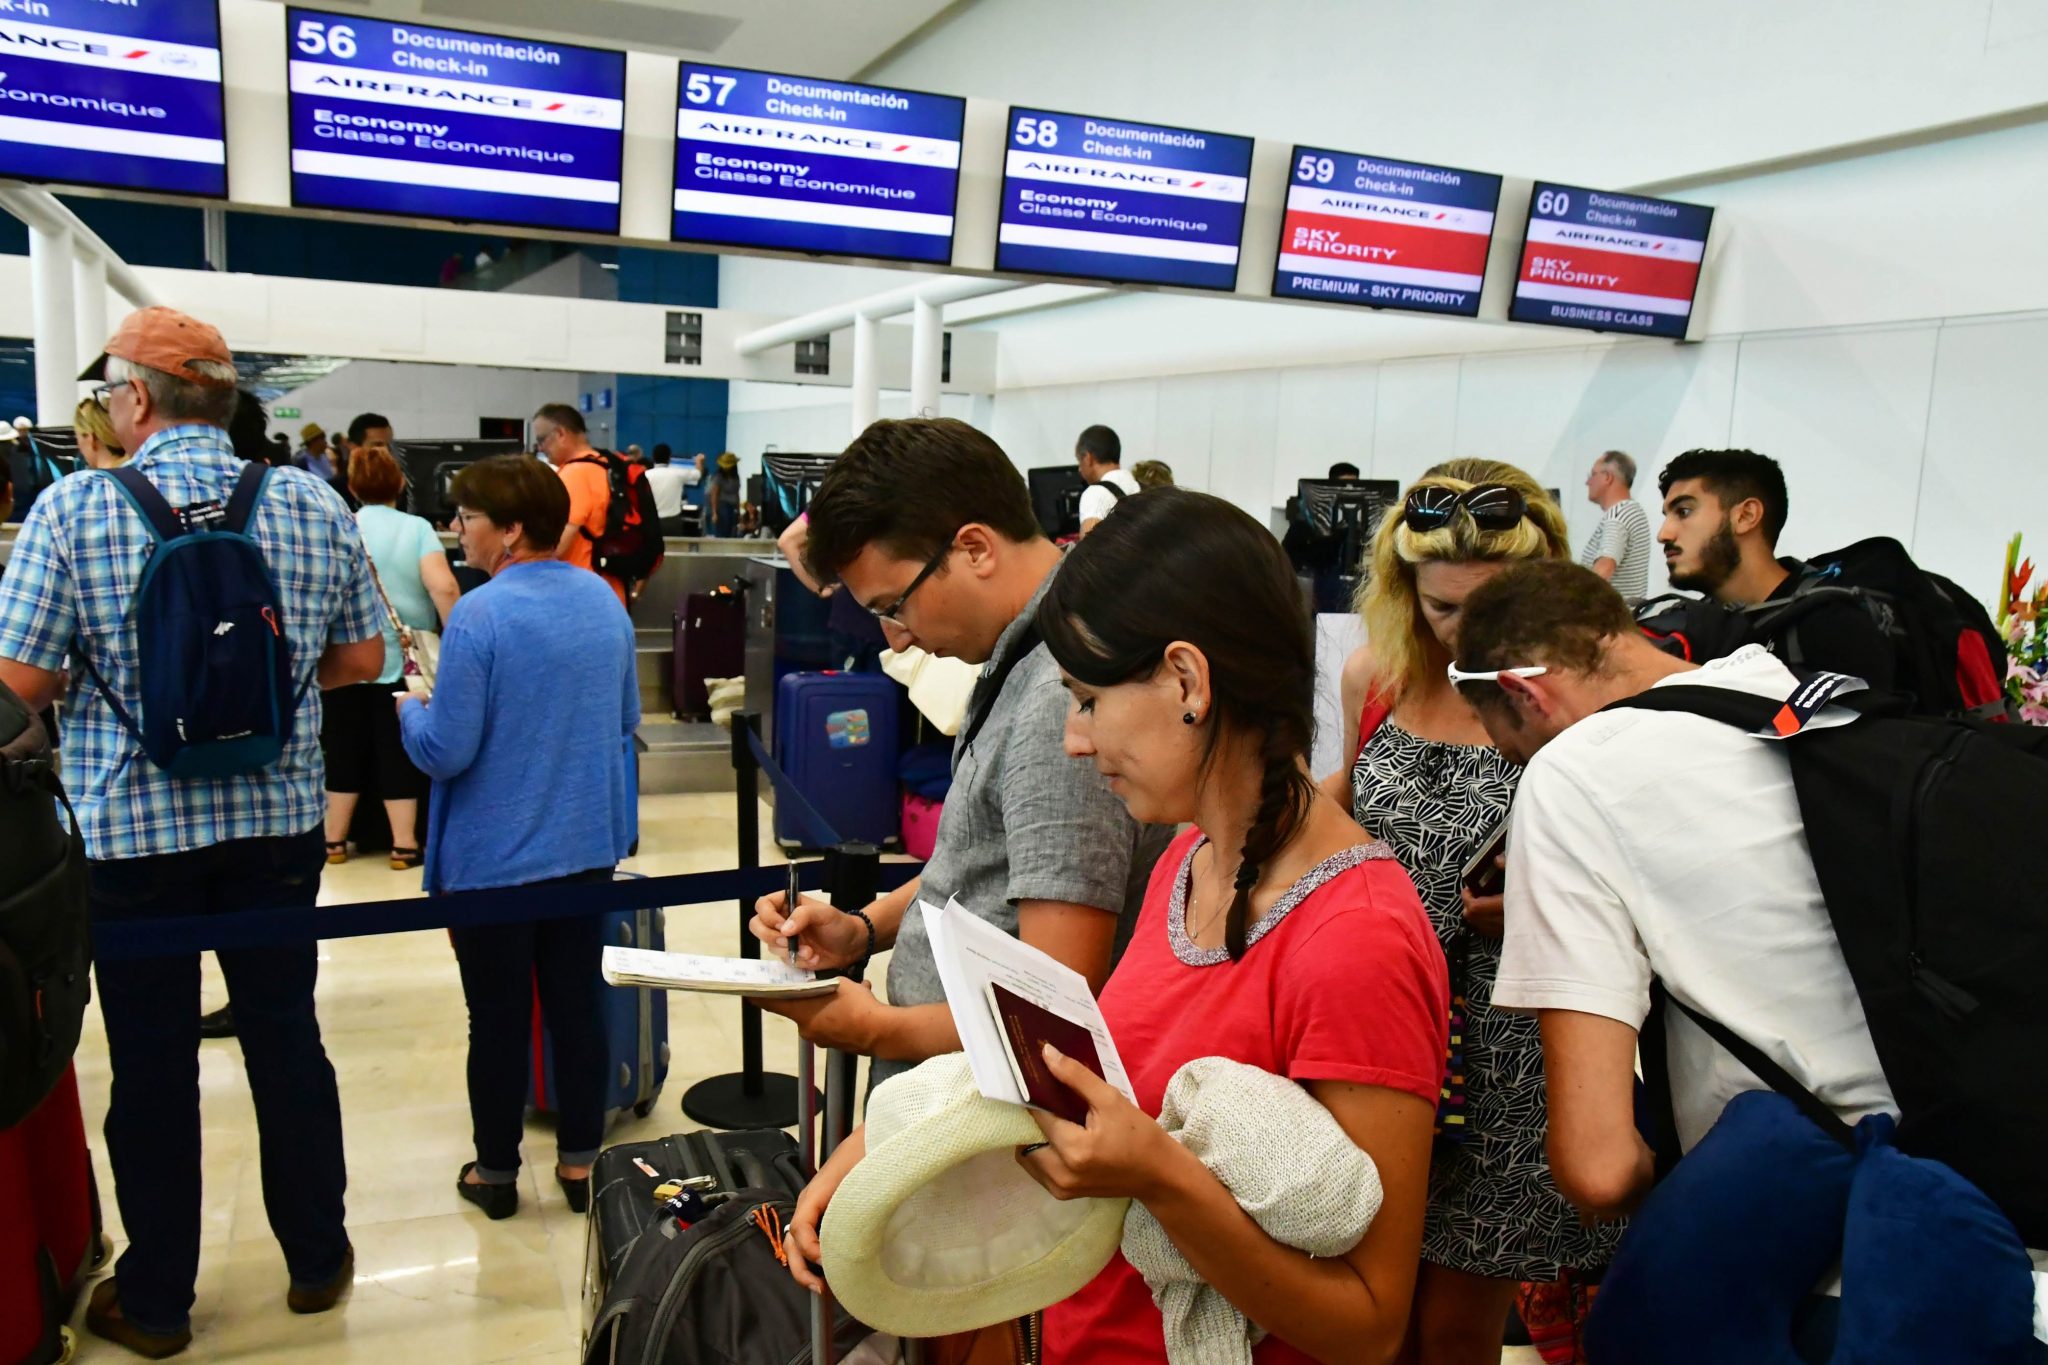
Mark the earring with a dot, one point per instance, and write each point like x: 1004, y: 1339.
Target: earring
x: 1188, y: 718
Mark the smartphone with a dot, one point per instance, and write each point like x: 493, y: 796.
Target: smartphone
x: 1483, y: 876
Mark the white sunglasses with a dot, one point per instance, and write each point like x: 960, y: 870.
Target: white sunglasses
x: 1494, y: 675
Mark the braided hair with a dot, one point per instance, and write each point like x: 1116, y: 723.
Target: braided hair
x: 1174, y: 564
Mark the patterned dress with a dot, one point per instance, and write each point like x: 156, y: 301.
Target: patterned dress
x: 1492, y: 1207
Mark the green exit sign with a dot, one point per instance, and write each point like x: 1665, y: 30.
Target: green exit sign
x: 286, y: 414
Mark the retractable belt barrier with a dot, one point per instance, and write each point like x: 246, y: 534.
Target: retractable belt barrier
x: 126, y: 940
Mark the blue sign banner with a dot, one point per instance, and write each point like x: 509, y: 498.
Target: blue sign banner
x: 1610, y: 262
x: 122, y: 96
x: 440, y: 123
x: 1127, y: 202
x: 1385, y: 234
x: 827, y: 167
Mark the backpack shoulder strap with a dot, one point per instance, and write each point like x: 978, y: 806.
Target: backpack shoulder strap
x: 242, y: 502
x: 1742, y: 710
x: 1116, y: 494
x: 154, y: 509
x: 1769, y: 1072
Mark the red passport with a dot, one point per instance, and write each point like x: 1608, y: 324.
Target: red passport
x: 1026, y: 1027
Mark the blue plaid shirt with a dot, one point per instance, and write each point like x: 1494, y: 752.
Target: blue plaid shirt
x: 68, y: 591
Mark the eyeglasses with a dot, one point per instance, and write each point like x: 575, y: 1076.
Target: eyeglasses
x: 1492, y: 507
x: 1494, y: 675
x: 893, y: 613
x: 104, y: 394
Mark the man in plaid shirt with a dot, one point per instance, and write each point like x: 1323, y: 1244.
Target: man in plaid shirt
x: 161, y: 847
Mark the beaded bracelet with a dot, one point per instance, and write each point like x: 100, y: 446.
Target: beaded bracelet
x: 867, y: 956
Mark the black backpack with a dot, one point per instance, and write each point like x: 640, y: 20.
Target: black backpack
x: 715, y: 1293
x: 1951, y: 658
x: 1912, y: 822
x: 631, y: 547
x: 45, y: 934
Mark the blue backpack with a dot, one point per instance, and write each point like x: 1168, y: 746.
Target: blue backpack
x: 213, y: 659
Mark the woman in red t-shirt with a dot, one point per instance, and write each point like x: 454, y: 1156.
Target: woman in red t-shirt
x: 1274, y: 933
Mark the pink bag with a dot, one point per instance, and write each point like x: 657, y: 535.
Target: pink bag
x: 921, y: 825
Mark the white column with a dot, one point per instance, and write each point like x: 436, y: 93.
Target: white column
x: 927, y: 358
x: 867, y: 373
x: 56, y: 326
x: 89, y: 304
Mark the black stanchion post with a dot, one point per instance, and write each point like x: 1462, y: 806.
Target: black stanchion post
x: 751, y: 1097
x: 853, y: 875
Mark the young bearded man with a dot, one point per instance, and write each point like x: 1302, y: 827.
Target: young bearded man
x: 928, y: 525
x: 1723, y: 513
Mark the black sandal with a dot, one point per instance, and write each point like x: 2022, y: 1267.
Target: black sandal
x: 404, y: 859
x: 337, y: 852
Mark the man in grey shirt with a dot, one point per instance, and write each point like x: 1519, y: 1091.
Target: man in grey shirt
x: 928, y: 524
x: 1619, y: 548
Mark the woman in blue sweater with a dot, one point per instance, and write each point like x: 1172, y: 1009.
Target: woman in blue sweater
x: 524, y: 740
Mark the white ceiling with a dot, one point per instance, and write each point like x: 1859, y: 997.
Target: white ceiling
x: 830, y: 38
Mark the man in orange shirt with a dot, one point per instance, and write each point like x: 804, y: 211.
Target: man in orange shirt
x: 560, y: 437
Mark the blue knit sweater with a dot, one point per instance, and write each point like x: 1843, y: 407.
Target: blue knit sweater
x: 525, y: 739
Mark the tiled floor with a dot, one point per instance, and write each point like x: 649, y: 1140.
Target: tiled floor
x: 435, y: 1280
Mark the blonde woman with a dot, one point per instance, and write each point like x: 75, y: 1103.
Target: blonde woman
x: 1425, y: 780
x: 97, y: 442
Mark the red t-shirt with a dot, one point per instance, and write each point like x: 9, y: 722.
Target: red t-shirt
x: 1349, y: 985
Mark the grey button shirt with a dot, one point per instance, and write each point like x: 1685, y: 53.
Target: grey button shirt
x: 1022, y: 822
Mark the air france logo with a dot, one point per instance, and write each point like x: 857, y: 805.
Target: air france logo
x: 1607, y: 239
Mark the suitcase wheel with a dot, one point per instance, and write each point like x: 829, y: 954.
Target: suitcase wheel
x: 644, y: 1108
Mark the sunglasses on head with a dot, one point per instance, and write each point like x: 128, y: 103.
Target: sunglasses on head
x: 1492, y: 507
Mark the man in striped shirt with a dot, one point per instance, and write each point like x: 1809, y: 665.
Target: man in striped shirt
x: 1619, y: 548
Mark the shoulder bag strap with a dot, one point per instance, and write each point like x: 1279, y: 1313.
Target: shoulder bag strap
x: 1025, y: 642
x: 397, y: 623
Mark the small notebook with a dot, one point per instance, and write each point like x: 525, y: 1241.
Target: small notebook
x: 712, y: 975
x: 1026, y: 1029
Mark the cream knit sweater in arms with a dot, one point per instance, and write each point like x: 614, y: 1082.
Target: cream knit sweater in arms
x: 1289, y: 1165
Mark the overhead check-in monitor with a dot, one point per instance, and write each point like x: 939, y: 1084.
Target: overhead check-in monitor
x: 828, y: 167
x: 1134, y: 203
x: 427, y: 122
x: 1386, y: 234
x: 123, y: 95
x: 1610, y: 262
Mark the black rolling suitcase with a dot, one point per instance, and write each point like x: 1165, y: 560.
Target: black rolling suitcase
x: 659, y: 1291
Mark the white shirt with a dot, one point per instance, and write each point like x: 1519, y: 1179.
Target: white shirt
x: 667, y: 482
x: 1651, y: 843
x: 1098, y: 502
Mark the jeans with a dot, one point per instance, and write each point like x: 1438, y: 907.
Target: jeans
x: 502, y: 964
x: 151, y: 1008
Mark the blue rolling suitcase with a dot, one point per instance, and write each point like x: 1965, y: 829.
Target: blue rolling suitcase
x: 635, y: 1027
x: 835, y: 736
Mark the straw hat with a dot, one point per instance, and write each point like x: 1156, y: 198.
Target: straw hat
x: 939, y: 1230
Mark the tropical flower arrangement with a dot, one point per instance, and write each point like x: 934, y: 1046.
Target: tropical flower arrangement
x: 2024, y: 622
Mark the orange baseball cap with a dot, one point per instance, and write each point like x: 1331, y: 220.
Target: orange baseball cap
x: 165, y: 339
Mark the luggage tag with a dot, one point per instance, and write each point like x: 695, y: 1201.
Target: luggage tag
x: 1807, y: 700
